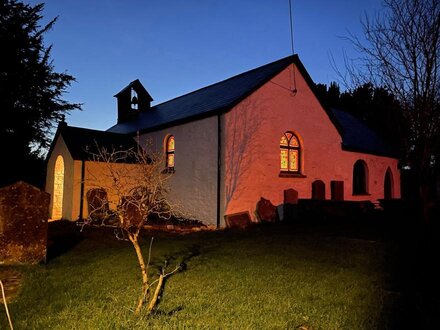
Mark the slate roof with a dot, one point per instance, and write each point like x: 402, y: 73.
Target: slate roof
x: 82, y: 142
x: 224, y: 95
x: 356, y: 136
x: 204, y: 102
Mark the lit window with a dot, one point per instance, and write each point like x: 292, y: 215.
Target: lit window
x: 290, y: 153
x: 170, y: 153
x: 58, y: 189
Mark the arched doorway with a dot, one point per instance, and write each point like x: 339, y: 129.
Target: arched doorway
x: 388, y: 185
x: 58, y: 189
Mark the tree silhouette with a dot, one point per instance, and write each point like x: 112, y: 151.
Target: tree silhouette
x: 30, y: 91
x: 402, y: 53
x: 375, y: 106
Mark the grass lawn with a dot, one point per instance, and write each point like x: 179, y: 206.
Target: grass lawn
x: 269, y: 277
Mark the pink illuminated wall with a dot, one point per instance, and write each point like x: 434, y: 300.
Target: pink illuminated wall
x: 252, y: 133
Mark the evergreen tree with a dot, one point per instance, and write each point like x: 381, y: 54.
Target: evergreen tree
x: 375, y: 106
x: 30, y: 92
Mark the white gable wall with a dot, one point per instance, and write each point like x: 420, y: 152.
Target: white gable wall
x: 253, y: 129
x: 72, y: 180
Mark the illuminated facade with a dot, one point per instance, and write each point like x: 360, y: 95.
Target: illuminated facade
x: 251, y: 136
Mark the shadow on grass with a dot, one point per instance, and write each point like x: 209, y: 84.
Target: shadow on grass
x: 411, y: 275
x: 181, y: 261
x: 172, y: 312
x: 412, y: 254
x: 411, y: 268
x: 63, y: 236
x: 415, y: 272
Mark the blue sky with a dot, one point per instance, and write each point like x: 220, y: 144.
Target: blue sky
x: 177, y: 46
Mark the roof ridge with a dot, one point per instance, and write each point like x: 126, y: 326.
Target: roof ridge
x: 215, y: 98
x: 92, y: 130
x: 230, y: 78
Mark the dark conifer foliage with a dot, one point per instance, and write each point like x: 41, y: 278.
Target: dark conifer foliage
x: 31, y: 92
x: 375, y: 106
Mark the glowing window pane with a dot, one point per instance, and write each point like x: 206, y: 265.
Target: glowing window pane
x: 58, y: 189
x: 284, y: 160
x: 284, y: 141
x: 293, y: 142
x: 170, y: 161
x: 290, y: 153
x: 293, y: 160
x: 170, y: 146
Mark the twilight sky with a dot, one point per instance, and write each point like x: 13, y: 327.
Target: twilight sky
x: 177, y: 46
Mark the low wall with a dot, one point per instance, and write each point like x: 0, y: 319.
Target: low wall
x: 24, y: 213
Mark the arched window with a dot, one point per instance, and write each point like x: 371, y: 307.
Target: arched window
x: 169, y: 147
x: 58, y: 189
x: 388, y: 185
x: 290, y: 153
x: 360, y: 178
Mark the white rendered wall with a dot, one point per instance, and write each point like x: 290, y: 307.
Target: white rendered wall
x: 194, y: 183
x: 251, y: 148
x: 72, y: 180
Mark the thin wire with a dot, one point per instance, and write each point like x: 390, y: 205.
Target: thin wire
x: 279, y: 85
x: 292, y: 87
x: 293, y: 77
x: 291, y: 26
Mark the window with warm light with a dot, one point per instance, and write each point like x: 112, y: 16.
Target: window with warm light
x: 170, y: 148
x: 58, y: 189
x: 290, y: 154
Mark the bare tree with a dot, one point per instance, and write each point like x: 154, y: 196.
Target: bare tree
x: 402, y: 53
x: 130, y: 187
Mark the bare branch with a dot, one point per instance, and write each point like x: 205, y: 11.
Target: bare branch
x: 126, y: 188
x: 402, y: 54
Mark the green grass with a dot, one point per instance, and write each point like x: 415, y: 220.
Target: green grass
x: 269, y: 277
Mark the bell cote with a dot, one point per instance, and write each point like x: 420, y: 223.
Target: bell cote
x: 131, y: 100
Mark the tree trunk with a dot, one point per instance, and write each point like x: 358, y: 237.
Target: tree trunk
x: 153, y: 301
x: 134, y: 240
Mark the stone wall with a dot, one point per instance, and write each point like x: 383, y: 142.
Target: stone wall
x: 24, y: 212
